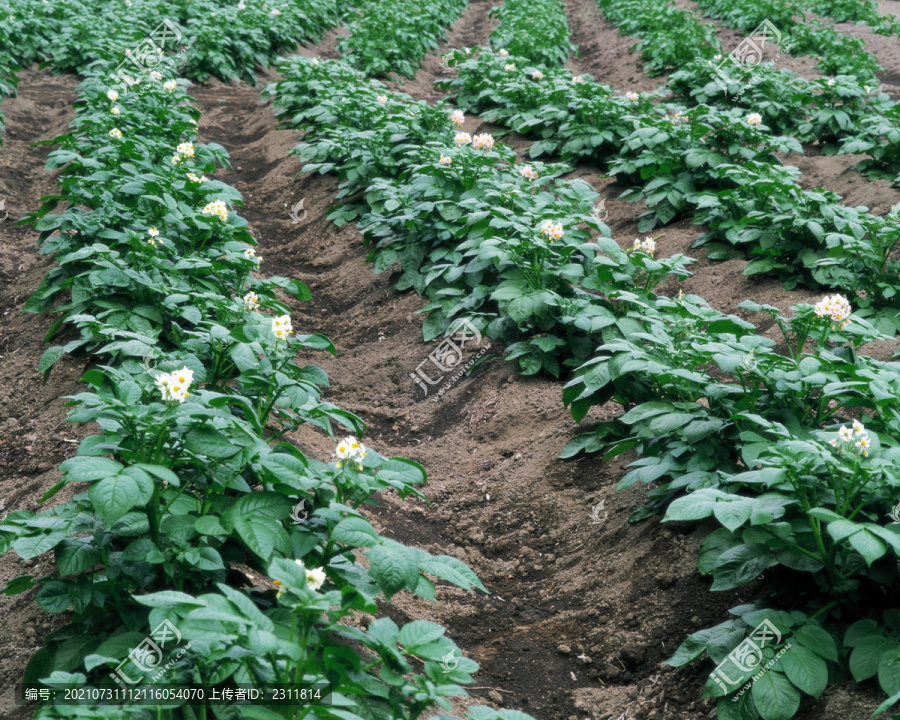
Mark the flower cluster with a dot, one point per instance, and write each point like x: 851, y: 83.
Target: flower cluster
x: 174, y: 385
x: 526, y: 171
x: 484, y: 141
x: 754, y: 119
x: 251, y: 301
x: 458, y: 118
x: 462, y: 138
x: 647, y: 245
x: 115, y: 133
x: 275, y: 13
x: 350, y: 449
x: 503, y: 52
x: 382, y: 99
x: 578, y: 79
x: 170, y: 85
x: 185, y: 149
x: 847, y: 435
x: 154, y: 237
x: 219, y: 208
x: 194, y: 179
x: 835, y: 307
x: 509, y: 68
x: 315, y: 578
x: 446, y: 160
x: 155, y: 76
x: 112, y: 95
x: 537, y: 75
x: 830, y: 82
x: 633, y: 96
x: 552, y: 230
x: 115, y: 110
x: 250, y: 254
x: 281, y: 327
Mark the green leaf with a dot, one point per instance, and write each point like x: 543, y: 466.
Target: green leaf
x: 740, y: 565
x: 866, y: 656
x: 210, y: 442
x: 420, y: 632
x: 53, y: 596
x: 817, y: 639
x: 805, y: 669
x: 263, y: 535
x: 889, y: 672
x: 393, y: 567
x: 775, y: 697
x: 115, y: 496
x: 76, y: 555
x: 355, y: 532
x: 87, y: 469
x: 170, y: 599
x: 30, y: 546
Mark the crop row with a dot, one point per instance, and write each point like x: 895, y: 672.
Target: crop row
x: 718, y: 164
x: 212, y: 40
x: 839, y: 54
x: 193, y: 526
x: 777, y: 447
x: 394, y: 36
x: 222, y: 41
x: 500, y: 265
x: 846, y: 113
x: 858, y: 11
x: 521, y: 21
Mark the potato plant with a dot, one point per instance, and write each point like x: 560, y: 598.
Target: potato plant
x: 187, y: 498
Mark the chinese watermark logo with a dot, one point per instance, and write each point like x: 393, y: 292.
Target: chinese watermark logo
x: 894, y: 514
x: 749, y: 361
x: 295, y: 213
x: 448, y: 357
x: 148, y: 56
x: 749, y: 656
x: 148, y: 655
x: 595, y: 513
x: 449, y: 662
x: 446, y: 59
x: 299, y: 515
x: 748, y: 54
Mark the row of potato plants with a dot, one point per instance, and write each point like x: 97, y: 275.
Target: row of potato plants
x: 8, y: 82
x: 845, y: 113
x: 838, y: 54
x: 463, y: 225
x: 522, y: 20
x: 184, y: 507
x: 719, y: 165
x: 392, y: 36
x: 857, y: 11
x: 839, y: 111
x: 222, y: 40
x: 777, y: 447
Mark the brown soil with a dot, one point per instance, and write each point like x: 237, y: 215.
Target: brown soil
x: 581, y: 613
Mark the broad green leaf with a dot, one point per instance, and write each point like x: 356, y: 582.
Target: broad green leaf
x: 805, y: 669
x: 115, y: 496
x: 355, y: 532
x: 775, y: 697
